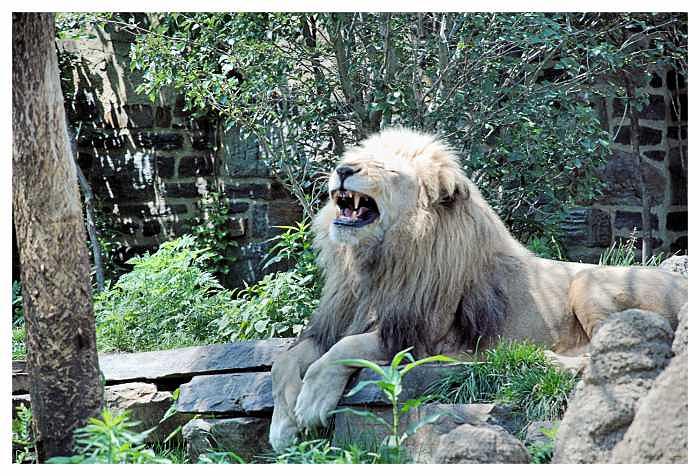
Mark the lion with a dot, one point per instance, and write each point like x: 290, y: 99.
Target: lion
x: 413, y: 256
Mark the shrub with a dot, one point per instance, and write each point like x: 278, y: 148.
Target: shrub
x: 541, y: 452
x: 517, y: 374
x: 168, y: 300
x: 109, y: 440
x: 320, y: 451
x: 212, y: 230
x: 281, y: 303
x: 23, y: 446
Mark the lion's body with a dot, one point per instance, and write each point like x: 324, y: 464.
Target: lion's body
x: 440, y: 272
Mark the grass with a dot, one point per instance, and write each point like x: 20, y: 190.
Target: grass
x: 625, y: 254
x: 515, y: 374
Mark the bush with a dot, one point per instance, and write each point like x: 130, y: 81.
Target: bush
x: 517, y: 374
x: 23, y: 446
x: 321, y: 451
x: 281, y: 303
x: 109, y: 440
x: 168, y: 300
x: 625, y: 254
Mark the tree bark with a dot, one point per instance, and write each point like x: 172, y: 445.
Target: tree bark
x: 65, y: 385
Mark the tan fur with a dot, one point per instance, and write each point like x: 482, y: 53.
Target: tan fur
x: 438, y: 271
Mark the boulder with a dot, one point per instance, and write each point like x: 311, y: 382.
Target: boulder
x: 421, y: 446
x: 676, y: 264
x: 470, y: 444
x: 246, y: 436
x: 680, y: 341
x: 659, y: 432
x: 145, y: 404
x: 628, y: 352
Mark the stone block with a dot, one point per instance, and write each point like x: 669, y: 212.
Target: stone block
x: 139, y: 115
x: 246, y: 436
x: 621, y: 186
x: 677, y: 221
x: 189, y: 361
x: 182, y: 190
x: 100, y: 139
x: 163, y: 117
x: 678, y: 171
x: 484, y: 444
x: 252, y: 190
x: 146, y: 405
x: 630, y: 220
x: 159, y: 140
x: 195, y: 166
x: 165, y: 166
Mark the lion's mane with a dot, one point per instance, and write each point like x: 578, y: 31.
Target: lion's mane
x: 436, y: 280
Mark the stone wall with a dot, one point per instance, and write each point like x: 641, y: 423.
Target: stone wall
x: 664, y: 149
x: 150, y: 162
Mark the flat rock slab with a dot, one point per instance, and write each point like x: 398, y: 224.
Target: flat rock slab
x: 251, y: 392
x: 167, y: 364
x: 227, y: 394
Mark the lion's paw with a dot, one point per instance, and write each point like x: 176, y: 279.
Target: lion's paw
x: 322, y: 388
x: 283, y: 433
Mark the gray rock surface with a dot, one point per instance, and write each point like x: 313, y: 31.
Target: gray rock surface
x: 246, y: 436
x: 478, y: 445
x: 145, y: 404
x: 233, y: 357
x: 659, y: 432
x: 421, y: 447
x: 248, y: 392
x: 628, y: 352
x: 676, y: 264
x: 680, y: 341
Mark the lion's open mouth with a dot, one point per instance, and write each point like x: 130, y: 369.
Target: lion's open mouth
x: 354, y: 208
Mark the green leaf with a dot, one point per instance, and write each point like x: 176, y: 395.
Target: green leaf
x: 414, y: 427
x: 362, y: 364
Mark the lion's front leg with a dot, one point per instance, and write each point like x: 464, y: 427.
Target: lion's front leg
x: 325, y: 380
x: 287, y: 373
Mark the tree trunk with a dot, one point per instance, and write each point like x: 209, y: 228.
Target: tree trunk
x: 634, y: 140
x: 65, y: 385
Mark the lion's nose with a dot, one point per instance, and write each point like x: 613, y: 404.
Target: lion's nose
x: 344, y: 172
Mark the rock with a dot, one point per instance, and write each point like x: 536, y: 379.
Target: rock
x: 145, y: 404
x: 659, y: 432
x: 480, y: 444
x: 169, y: 364
x: 680, y: 341
x: 628, y: 351
x: 247, y: 437
x: 227, y: 393
x: 676, y: 264
x: 352, y: 428
x: 232, y: 393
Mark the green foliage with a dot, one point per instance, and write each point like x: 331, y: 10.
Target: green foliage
x: 390, y: 382
x: 168, y: 300
x: 517, y: 374
x: 220, y: 457
x: 19, y: 346
x: 109, y: 440
x: 23, y: 446
x: 280, y: 304
x: 17, y: 307
x: 625, y: 254
x: 321, y: 451
x: 546, y: 248
x: 19, y: 342
x: 541, y: 452
x: 212, y: 230
x: 514, y: 94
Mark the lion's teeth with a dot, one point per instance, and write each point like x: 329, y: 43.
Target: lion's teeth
x: 357, y: 200
x: 354, y: 214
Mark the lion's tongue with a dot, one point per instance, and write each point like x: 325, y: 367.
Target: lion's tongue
x: 362, y: 211
x: 347, y: 212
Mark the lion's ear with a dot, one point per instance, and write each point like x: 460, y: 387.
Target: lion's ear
x: 453, y: 190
